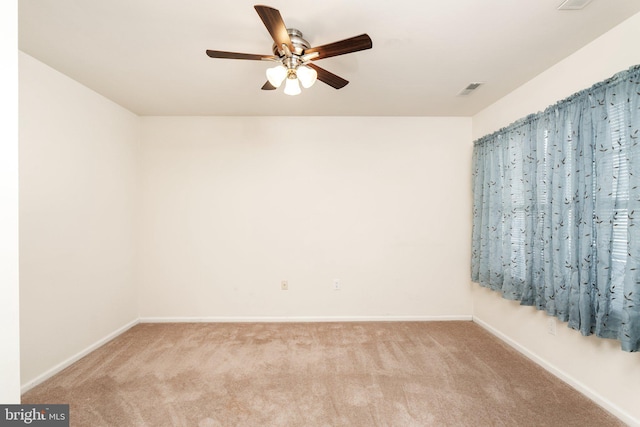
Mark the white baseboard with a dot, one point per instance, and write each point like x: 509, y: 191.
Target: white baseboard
x: 308, y: 319
x: 605, y: 403
x: 59, y: 367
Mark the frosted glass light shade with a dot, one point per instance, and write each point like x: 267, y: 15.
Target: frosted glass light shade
x: 307, y: 76
x: 276, y: 75
x: 292, y: 87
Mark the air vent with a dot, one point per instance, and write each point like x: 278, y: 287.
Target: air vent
x: 573, y: 4
x: 470, y: 88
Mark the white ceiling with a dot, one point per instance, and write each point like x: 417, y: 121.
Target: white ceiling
x: 149, y: 55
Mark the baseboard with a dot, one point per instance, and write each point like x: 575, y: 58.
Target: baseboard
x: 605, y: 403
x: 59, y: 367
x: 291, y: 319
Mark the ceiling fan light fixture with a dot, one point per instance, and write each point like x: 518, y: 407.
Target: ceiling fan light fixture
x: 276, y: 75
x: 292, y: 86
x: 307, y: 76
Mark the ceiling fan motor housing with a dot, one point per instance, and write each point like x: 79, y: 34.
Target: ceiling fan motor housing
x: 298, y: 42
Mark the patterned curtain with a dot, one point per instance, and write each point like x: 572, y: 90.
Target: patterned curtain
x: 556, y: 210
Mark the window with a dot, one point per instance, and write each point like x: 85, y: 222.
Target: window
x: 555, y: 200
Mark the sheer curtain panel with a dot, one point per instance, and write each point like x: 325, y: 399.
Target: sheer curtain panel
x: 556, y: 210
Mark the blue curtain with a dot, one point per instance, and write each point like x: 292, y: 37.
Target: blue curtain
x: 556, y: 210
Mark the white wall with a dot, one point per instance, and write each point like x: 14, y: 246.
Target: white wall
x: 596, y: 366
x: 78, y: 190
x: 232, y: 206
x: 9, y: 314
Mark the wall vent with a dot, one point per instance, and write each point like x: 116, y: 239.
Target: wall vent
x: 573, y: 4
x: 470, y: 88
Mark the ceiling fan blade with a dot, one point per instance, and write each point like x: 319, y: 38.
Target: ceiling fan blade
x: 268, y: 86
x: 329, y: 78
x: 275, y: 25
x: 353, y: 44
x: 235, y: 55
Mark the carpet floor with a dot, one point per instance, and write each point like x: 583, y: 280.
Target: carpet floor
x: 313, y: 374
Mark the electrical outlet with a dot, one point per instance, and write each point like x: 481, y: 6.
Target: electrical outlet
x: 284, y: 285
x: 551, y: 326
x: 336, y: 284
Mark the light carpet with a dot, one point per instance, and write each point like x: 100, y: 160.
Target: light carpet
x: 313, y: 374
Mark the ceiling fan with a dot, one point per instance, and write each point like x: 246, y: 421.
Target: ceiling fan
x: 293, y: 55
